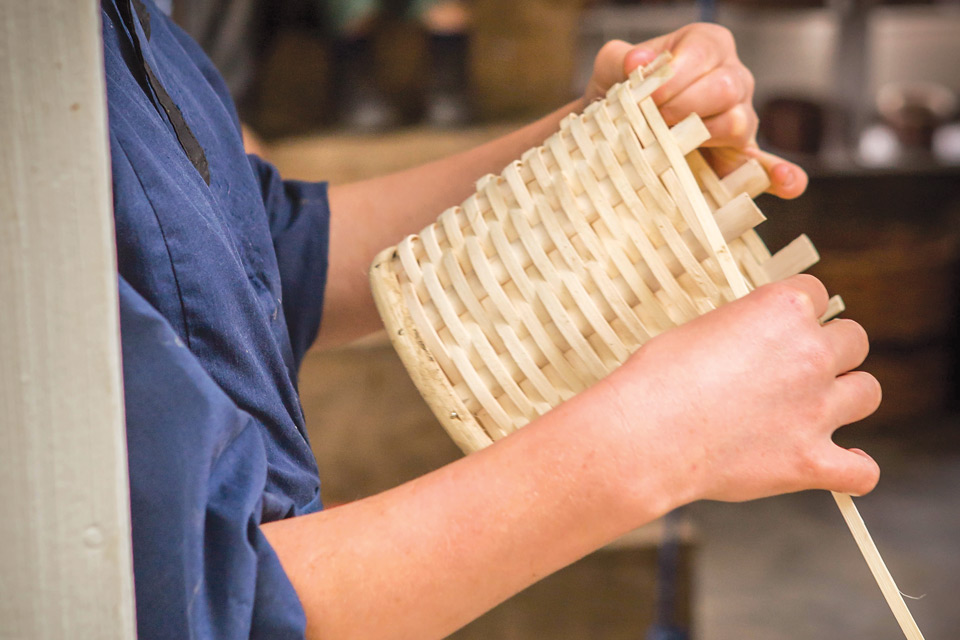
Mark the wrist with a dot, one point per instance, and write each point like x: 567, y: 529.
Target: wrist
x: 661, y: 472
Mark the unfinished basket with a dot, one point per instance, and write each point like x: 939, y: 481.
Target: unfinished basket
x: 553, y: 272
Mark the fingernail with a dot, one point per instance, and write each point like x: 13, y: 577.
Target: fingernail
x: 785, y: 175
x: 640, y: 57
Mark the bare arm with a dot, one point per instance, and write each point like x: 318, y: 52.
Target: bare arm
x: 377, y: 213
x: 373, y: 214
x: 738, y: 404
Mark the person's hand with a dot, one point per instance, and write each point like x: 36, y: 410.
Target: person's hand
x: 709, y: 80
x: 745, y: 399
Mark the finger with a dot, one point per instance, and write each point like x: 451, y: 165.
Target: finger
x: 735, y: 128
x: 849, y: 471
x: 787, y: 180
x: 812, y: 291
x: 719, y: 90
x: 639, y: 56
x: 697, y: 52
x: 855, y: 395
x: 608, y: 67
x: 849, y: 343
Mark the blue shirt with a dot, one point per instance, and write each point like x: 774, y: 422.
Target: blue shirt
x: 222, y: 271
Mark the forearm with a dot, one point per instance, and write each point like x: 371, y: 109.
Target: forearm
x: 738, y: 404
x: 425, y: 558
x: 373, y: 214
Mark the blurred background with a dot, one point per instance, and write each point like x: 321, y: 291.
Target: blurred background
x: 862, y: 93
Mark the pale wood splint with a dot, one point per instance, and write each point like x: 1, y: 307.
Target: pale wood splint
x: 548, y: 277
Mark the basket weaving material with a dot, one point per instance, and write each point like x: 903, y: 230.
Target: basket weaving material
x: 555, y: 271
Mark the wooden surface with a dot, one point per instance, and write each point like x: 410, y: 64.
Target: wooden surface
x: 65, y: 557
x: 340, y: 158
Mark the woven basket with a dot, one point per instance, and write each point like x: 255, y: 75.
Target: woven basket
x: 555, y: 271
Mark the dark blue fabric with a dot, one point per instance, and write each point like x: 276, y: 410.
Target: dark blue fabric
x: 197, y: 469
x: 221, y: 294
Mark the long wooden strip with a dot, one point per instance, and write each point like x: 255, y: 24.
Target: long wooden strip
x: 715, y: 242
x: 877, y: 566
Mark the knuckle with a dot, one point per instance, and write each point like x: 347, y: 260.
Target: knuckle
x: 748, y: 79
x: 862, y: 473
x: 698, y: 59
x: 872, y: 391
x: 858, y: 335
x: 792, y: 300
x: 743, y: 124
x: 609, y: 46
x: 812, y: 463
x: 728, y: 88
x: 871, y: 479
x: 753, y: 122
x: 607, y: 55
x: 816, y: 357
x: 725, y: 37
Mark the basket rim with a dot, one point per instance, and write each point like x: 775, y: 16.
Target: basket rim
x: 452, y: 413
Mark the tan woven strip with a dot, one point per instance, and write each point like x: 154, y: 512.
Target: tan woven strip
x: 716, y: 244
x: 877, y: 566
x: 521, y: 358
x: 467, y: 333
x: 459, y: 352
x: 510, y: 315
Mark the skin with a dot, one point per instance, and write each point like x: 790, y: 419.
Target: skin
x: 738, y: 404
x: 709, y: 80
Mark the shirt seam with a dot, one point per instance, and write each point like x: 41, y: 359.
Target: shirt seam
x: 166, y: 246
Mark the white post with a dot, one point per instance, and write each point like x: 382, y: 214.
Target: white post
x: 65, y: 554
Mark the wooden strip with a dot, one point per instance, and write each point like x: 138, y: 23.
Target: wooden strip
x: 419, y: 359
x: 520, y: 359
x: 498, y: 422
x: 749, y: 178
x: 877, y: 566
x: 552, y: 276
x: 627, y: 273
x: 794, y: 258
x: 716, y: 244
x: 681, y: 249
x: 610, y: 253
x: 748, y: 263
x: 65, y: 559
x: 468, y: 335
x: 835, y: 306
x: 522, y: 317
x: 638, y: 325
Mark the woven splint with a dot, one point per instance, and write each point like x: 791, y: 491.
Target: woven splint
x: 554, y: 272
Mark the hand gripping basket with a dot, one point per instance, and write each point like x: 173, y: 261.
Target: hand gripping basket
x: 555, y: 271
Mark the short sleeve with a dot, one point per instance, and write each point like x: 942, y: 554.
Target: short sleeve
x: 299, y: 217
x: 203, y: 569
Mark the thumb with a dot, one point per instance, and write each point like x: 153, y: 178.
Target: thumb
x: 639, y: 56
x: 608, y: 68
x: 645, y: 52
